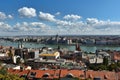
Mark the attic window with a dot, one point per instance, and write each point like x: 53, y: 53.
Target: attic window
x: 106, y: 77
x: 52, y: 74
x: 90, y: 76
x: 70, y: 75
x: 81, y: 75
x: 57, y: 74
x: 24, y: 75
x: 33, y: 74
x: 46, y: 75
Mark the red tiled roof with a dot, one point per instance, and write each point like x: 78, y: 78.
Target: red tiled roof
x: 75, y: 73
x: 40, y: 73
x: 116, y: 56
x: 57, y: 73
x: 64, y: 72
x: 101, y: 74
x: 18, y: 72
x: 118, y: 75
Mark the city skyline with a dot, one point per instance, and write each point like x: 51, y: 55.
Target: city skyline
x: 78, y: 17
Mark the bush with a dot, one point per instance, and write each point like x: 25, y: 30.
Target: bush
x: 112, y: 67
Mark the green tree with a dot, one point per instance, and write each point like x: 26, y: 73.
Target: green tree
x: 118, y: 64
x: 112, y: 67
x: 12, y: 77
x: 18, y: 61
x: 10, y: 54
x: 1, y: 76
x: 3, y: 71
x: 105, y: 61
x: 5, y: 76
x: 102, y: 67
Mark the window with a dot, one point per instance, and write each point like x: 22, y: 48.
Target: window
x: 46, y: 75
x: 32, y: 74
x: 69, y: 75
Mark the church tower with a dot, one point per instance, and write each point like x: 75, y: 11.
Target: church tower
x: 77, y: 47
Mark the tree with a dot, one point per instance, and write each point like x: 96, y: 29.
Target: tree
x: 1, y: 76
x: 18, y: 60
x: 12, y: 77
x: 3, y: 71
x: 118, y: 64
x: 10, y: 54
x: 105, y: 61
x: 102, y: 67
x: 5, y: 76
x: 112, y: 67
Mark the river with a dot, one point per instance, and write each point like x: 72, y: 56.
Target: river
x: 85, y: 48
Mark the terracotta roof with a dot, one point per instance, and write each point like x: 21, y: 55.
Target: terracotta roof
x: 56, y: 73
x: 101, y: 74
x: 75, y: 73
x: 116, y: 56
x: 18, y: 72
x: 118, y: 75
x: 50, y: 74
x: 41, y: 73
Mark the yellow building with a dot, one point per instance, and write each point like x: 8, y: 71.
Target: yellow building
x: 49, y: 55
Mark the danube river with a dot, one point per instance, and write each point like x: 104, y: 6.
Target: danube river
x: 69, y: 47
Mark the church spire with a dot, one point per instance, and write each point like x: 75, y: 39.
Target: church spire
x: 78, y: 47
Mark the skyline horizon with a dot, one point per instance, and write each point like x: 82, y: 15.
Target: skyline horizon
x: 71, y: 35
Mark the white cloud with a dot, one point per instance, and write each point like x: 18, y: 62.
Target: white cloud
x: 10, y: 16
x: 69, y: 23
x: 72, y: 17
x: 38, y: 25
x: 2, y: 16
x: 4, y: 27
x: 31, y: 28
x: 47, y: 16
x: 27, y: 12
x: 91, y: 26
x: 91, y: 20
x: 58, y: 13
x: 63, y: 26
x: 22, y: 27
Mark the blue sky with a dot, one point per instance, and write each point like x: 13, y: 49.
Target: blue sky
x: 64, y: 17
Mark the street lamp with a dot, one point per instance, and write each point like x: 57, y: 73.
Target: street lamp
x: 85, y: 69
x: 60, y: 71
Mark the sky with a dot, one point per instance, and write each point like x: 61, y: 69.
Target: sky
x: 62, y: 17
